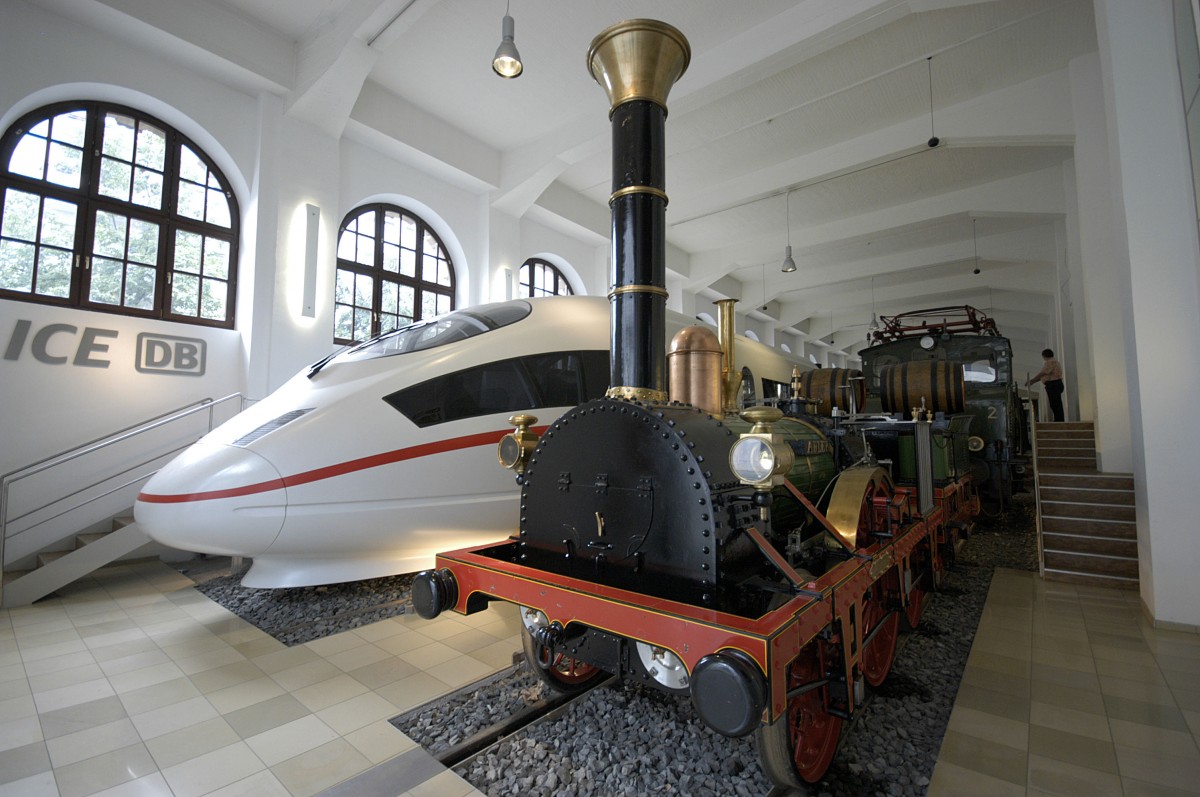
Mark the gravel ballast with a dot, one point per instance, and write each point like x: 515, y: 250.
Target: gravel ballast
x: 625, y: 739
x: 630, y: 740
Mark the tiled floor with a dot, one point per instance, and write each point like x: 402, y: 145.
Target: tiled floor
x: 133, y: 684
x: 1069, y: 691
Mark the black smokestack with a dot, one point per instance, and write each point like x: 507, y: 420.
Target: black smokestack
x: 637, y: 62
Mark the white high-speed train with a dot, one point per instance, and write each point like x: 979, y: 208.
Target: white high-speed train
x: 371, y: 461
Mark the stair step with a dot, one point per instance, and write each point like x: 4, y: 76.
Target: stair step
x: 1063, y: 509
x: 1085, y: 456
x: 1089, y: 533
x: 1070, y: 443
x: 1087, y: 464
x: 46, y: 557
x: 1087, y: 481
x: 59, y: 568
x: 1077, y: 495
x: 1112, y: 582
x: 13, y: 575
x: 1102, y: 546
x: 1118, y: 529
x: 1070, y: 426
x: 1090, y: 564
x: 1066, y: 438
x: 87, y: 539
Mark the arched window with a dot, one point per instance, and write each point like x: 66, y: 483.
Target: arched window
x: 106, y: 208
x: 392, y: 269
x: 540, y: 278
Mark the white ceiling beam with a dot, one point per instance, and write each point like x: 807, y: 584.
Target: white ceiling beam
x: 335, y: 59
x: 1037, y: 193
x: 1038, y: 277
x: 415, y: 136
x: 209, y: 37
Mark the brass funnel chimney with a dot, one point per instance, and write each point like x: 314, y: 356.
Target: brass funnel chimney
x: 637, y: 62
x: 731, y: 378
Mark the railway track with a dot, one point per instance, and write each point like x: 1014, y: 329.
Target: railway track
x: 543, y: 710
x: 547, y: 708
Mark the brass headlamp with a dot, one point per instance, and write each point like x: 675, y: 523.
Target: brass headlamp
x: 760, y: 458
x: 516, y: 447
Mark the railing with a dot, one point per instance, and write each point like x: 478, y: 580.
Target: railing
x: 60, y: 502
x: 1031, y: 420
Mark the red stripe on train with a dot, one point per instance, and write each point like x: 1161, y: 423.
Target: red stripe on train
x: 341, y: 469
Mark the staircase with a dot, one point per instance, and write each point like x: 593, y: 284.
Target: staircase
x: 56, y: 569
x: 1086, y: 522
x: 50, y: 509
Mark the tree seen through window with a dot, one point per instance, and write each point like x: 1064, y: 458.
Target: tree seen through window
x: 106, y: 208
x: 392, y: 270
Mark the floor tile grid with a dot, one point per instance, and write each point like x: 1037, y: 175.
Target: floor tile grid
x: 1069, y: 690
x: 133, y: 683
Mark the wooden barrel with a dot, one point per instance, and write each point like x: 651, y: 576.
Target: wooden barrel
x: 833, y: 387
x: 939, y: 382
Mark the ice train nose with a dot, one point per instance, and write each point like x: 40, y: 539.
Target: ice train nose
x: 214, y: 498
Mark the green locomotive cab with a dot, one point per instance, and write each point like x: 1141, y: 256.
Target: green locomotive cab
x: 915, y: 359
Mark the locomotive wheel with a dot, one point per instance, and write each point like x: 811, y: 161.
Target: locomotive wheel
x: 918, y: 565
x: 797, y: 748
x: 877, y: 655
x: 559, y: 671
x: 851, y: 504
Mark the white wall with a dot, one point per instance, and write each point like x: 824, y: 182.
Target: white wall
x: 1155, y: 226
x: 276, y: 165
x: 70, y: 376
x: 51, y: 405
x: 1105, y: 270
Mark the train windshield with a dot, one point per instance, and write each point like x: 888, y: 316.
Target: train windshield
x: 459, y: 325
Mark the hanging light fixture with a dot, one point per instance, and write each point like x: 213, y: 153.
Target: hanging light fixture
x: 789, y: 265
x: 507, y: 63
x: 975, y: 238
x: 933, y: 139
x: 874, y: 325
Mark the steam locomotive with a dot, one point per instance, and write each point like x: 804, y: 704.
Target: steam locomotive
x: 760, y: 562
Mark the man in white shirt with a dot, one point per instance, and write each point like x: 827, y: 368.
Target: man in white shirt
x: 1051, y: 377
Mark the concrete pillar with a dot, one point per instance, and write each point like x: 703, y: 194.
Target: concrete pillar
x: 1155, y: 223
x: 1104, y: 270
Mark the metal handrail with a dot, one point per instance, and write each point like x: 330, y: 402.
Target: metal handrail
x: 91, y: 486
x: 1037, y: 487
x: 110, y: 439
x: 7, y: 480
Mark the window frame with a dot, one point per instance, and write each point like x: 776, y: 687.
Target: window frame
x: 538, y: 262
x: 90, y: 202
x: 380, y: 275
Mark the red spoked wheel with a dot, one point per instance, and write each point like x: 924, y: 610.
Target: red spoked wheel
x: 560, y: 672
x: 798, y: 747
x: 880, y: 651
x: 919, y: 573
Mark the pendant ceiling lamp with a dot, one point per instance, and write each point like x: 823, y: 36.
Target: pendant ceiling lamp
x: 975, y: 238
x: 933, y: 139
x: 789, y: 265
x: 874, y: 325
x: 507, y: 63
